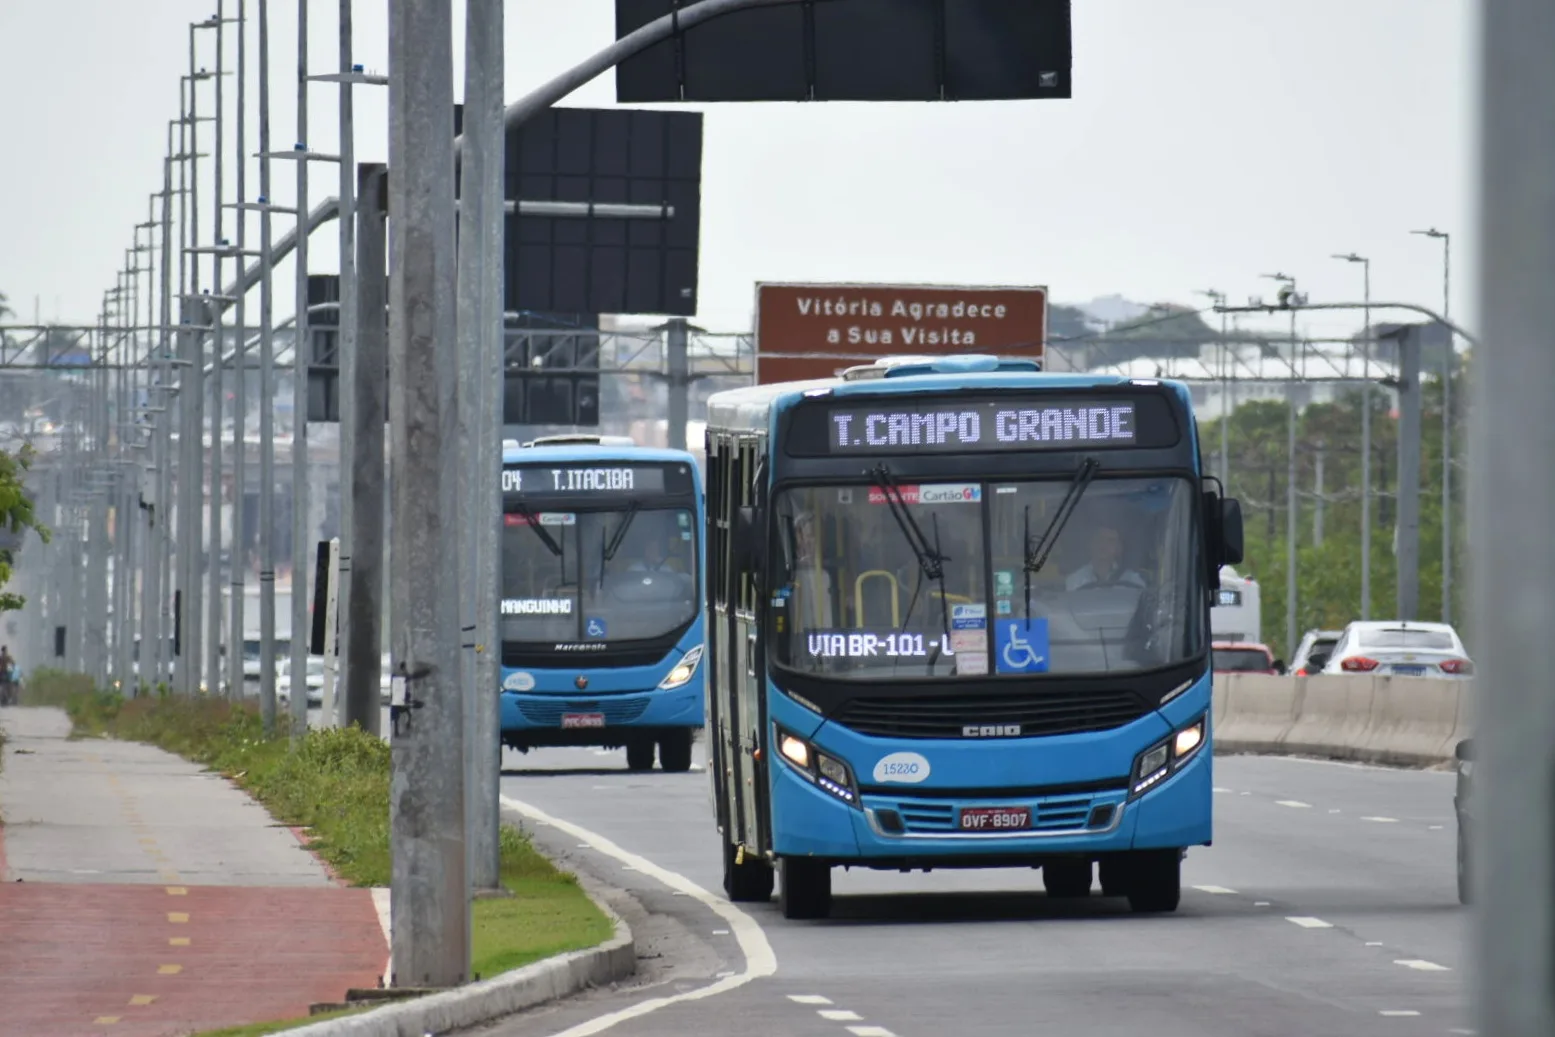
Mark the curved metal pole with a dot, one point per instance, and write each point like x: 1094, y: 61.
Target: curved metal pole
x: 1412, y: 307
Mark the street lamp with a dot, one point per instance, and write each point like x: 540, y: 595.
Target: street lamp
x: 1447, y: 366
x: 1288, y: 295
x: 1351, y: 257
x: 1219, y: 298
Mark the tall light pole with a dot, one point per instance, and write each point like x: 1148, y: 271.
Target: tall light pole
x: 1351, y: 257
x: 1289, y: 292
x: 1447, y: 372
x: 1219, y: 298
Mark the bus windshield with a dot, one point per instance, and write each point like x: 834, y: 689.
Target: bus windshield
x: 895, y: 581
x: 622, y: 574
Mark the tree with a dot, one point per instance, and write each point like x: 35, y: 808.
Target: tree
x: 16, y: 517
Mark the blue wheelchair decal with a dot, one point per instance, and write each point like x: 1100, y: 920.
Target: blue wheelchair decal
x: 595, y: 627
x: 1021, y: 645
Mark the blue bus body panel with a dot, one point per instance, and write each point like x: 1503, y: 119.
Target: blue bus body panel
x: 807, y: 821
x: 628, y: 696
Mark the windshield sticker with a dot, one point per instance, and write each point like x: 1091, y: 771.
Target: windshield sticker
x: 558, y: 518
x: 518, y: 680
x: 1003, y: 606
x: 937, y: 493
x: 537, y: 606
x: 973, y: 642
x: 594, y: 627
x: 845, y: 495
x: 968, y: 617
x: 903, y: 768
x: 1021, y: 645
x: 1004, y: 583
x: 974, y: 664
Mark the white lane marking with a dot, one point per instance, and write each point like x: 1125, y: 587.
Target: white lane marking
x: 1219, y: 789
x: 720, y: 932
x: 1374, y: 943
x: 870, y: 1031
x: 1335, y: 810
x: 1436, y: 828
x: 1464, y: 1033
x: 1399, y: 1012
x: 1298, y: 804
x: 1382, y: 820
x: 1307, y: 922
x: 760, y: 961
x: 1421, y: 965
x: 1219, y: 890
x: 1260, y: 903
x: 724, y: 975
x: 839, y: 1015
x: 809, y: 999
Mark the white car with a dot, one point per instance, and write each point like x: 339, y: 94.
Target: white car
x: 314, y: 680
x: 1400, y: 648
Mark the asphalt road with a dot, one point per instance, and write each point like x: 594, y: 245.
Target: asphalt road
x: 1326, y: 906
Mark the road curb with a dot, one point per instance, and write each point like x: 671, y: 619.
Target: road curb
x: 491, y: 999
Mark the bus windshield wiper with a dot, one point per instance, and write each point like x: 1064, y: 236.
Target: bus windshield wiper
x: 1036, y: 554
x: 539, y: 530
x: 931, y: 562
x: 608, y: 551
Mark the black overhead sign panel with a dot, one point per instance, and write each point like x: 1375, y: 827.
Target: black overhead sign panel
x: 853, y: 50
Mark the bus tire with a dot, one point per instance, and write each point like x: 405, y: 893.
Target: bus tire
x: 749, y: 882
x: 675, y: 751
x: 1113, y: 872
x: 1155, y: 881
x: 639, y: 755
x: 806, y: 888
x: 1067, y: 878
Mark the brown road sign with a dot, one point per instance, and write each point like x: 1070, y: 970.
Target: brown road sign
x: 806, y: 331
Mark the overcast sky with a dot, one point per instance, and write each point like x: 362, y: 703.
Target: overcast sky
x: 1208, y: 142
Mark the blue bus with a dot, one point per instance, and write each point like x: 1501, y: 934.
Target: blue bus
x: 602, y: 598
x: 960, y: 619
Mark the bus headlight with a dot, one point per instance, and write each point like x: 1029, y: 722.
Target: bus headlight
x: 1152, y: 766
x: 825, y: 772
x: 683, y: 671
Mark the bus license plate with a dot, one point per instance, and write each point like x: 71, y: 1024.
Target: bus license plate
x: 583, y: 720
x: 995, y: 819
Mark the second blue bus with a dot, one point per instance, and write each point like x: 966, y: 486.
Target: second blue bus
x: 959, y: 618
x: 602, y: 598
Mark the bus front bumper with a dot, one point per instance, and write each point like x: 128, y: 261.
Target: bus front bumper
x: 907, y: 831
x: 535, y: 720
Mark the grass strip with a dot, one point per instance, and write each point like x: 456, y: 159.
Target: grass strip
x: 335, y: 784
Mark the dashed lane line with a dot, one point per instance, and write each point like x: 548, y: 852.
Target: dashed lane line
x: 809, y: 999
x: 870, y: 1031
x: 1294, y: 803
x: 1421, y: 965
x: 1216, y: 890
x: 1382, y: 820
x: 839, y: 1015
x: 1399, y: 1013
x: 1307, y: 922
x: 760, y: 961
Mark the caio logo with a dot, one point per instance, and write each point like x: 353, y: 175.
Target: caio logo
x: 991, y: 731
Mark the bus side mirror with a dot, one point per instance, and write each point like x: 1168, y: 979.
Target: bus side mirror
x: 1230, y: 531
x: 750, y: 543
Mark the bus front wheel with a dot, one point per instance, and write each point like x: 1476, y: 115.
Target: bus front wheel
x: 806, y: 888
x: 639, y: 755
x: 746, y: 882
x: 675, y: 751
x: 1155, y: 881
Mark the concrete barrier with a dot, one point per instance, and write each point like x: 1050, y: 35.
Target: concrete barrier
x: 1403, y: 721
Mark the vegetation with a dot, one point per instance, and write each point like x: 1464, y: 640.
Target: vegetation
x: 1328, y: 587
x: 335, y: 784
x: 16, y: 515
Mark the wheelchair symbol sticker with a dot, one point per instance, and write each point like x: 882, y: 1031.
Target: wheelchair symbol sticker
x: 1021, y: 645
x: 595, y: 627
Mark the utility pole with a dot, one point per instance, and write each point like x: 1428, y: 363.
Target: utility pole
x: 302, y: 356
x: 239, y: 537
x: 1365, y: 262
x: 1219, y: 298
x: 1409, y: 472
x: 368, y: 413
x: 1512, y: 502
x: 1319, y: 449
x: 482, y: 217
x: 267, y: 392
x: 430, y: 885
x: 218, y: 384
x: 1288, y: 292
x: 1449, y: 367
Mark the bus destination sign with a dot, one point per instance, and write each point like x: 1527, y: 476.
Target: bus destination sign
x: 979, y: 427
x: 584, y: 480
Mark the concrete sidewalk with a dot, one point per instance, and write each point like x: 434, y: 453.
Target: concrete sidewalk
x: 144, y: 896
